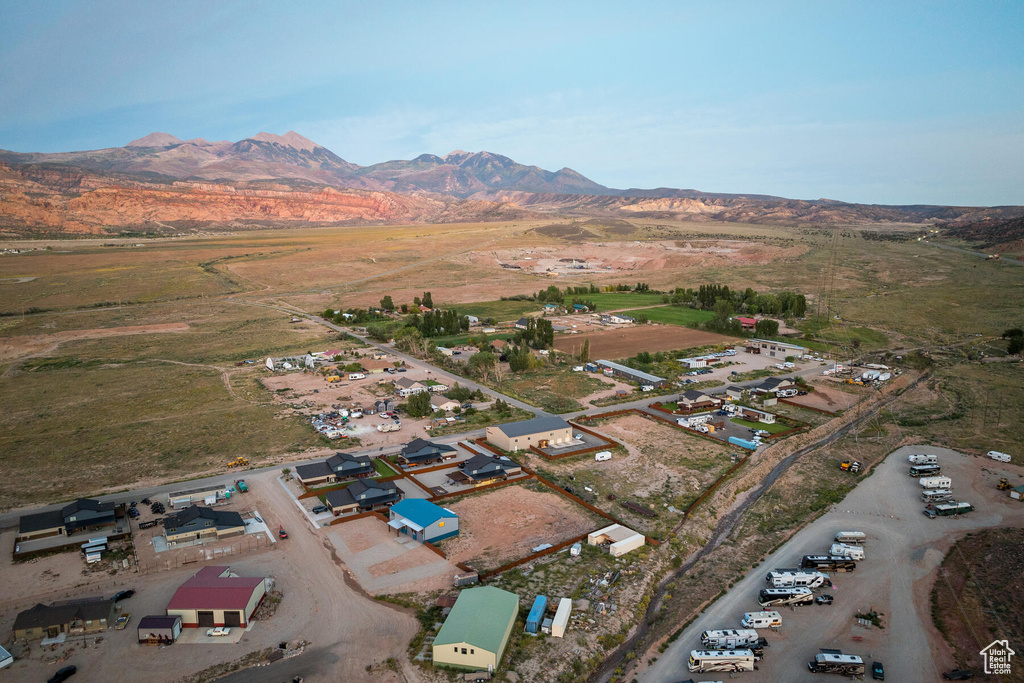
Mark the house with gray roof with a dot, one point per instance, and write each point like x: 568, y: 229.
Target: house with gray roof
x: 423, y: 452
x: 83, y: 514
x: 70, y: 616
x: 363, y: 495
x: 407, y: 387
x: 540, y: 432
x: 338, y: 467
x: 485, y: 469
x: 196, y: 523
x: 697, y: 400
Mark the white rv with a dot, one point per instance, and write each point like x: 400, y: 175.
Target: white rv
x: 720, y: 660
x: 795, y: 578
x: 922, y: 459
x: 777, y: 597
x: 851, y: 537
x: 761, y: 619
x: 854, y: 552
x: 935, y: 483
x: 602, y: 456
x: 936, y: 495
x: 729, y: 639
x: 1001, y: 457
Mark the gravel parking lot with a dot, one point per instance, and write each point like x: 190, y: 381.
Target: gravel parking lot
x: 903, y: 550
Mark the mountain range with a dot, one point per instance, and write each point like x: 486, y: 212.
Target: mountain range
x: 162, y: 182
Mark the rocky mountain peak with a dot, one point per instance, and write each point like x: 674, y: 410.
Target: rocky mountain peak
x: 155, y: 140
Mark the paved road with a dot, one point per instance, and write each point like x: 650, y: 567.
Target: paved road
x: 904, y: 549
x: 973, y: 253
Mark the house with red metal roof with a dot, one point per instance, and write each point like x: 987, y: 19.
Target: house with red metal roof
x: 216, y: 596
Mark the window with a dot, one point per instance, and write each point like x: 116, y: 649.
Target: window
x: 463, y: 650
x: 472, y: 651
x: 456, y: 650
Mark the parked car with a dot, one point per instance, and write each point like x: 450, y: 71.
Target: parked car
x: 877, y: 671
x: 123, y: 595
x: 801, y: 393
x: 146, y: 501
x: 319, y: 508
x: 219, y: 631
x: 958, y: 675
x: 63, y: 674
x: 930, y: 514
x: 823, y: 600
x: 133, y: 513
x: 401, y: 369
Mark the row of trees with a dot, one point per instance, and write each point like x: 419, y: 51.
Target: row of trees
x: 438, y: 323
x: 706, y: 297
x: 539, y: 333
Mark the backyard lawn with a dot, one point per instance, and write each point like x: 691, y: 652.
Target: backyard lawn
x: 770, y: 428
x: 673, y: 315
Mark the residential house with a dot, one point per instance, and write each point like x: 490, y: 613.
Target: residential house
x: 216, y: 596
x: 616, y: 319
x: 407, y: 387
x: 83, y: 514
x: 774, y: 384
x: 473, y: 320
x: 734, y: 392
x: 580, y: 308
x: 693, y: 400
x: 422, y: 520
x: 550, y: 309
x: 201, y: 523
x: 362, y: 494
x: 477, y: 630
x: 754, y: 415
x: 541, y: 431
x: 443, y: 403
x: 423, y: 452
x: 338, y: 467
x: 71, y: 617
x: 522, y: 324
x: 375, y: 367
x: 499, y: 345
x: 485, y: 469
x: 747, y: 323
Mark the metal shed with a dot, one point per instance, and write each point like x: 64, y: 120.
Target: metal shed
x: 159, y: 629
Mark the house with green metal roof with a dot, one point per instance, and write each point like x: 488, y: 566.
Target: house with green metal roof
x: 476, y: 632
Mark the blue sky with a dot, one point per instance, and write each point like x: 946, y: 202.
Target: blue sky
x: 875, y: 102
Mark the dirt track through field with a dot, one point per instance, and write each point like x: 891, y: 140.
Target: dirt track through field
x: 12, y: 348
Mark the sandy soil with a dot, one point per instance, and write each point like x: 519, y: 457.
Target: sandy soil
x: 35, y: 344
x: 825, y: 397
x: 612, y: 344
x: 321, y: 605
x: 504, y: 524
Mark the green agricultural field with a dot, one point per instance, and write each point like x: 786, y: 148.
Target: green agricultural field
x: 615, y: 301
x: 770, y: 428
x: 673, y: 315
x: 554, y: 390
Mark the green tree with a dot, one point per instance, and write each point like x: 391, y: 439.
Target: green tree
x: 428, y: 300
x: 419, y: 405
x: 387, y: 304
x: 585, y: 351
x: 1016, y: 345
x: 1013, y: 332
x: 766, y: 328
x: 483, y: 362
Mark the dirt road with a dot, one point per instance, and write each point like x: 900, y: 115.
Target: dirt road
x: 903, y: 552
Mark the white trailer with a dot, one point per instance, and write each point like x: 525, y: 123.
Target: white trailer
x: 720, y: 660
x: 729, y: 639
x: 836, y: 663
x: 854, y: 552
x: 778, y: 597
x: 795, y: 578
x: 851, y: 537
x: 763, y: 619
x: 936, y: 495
x: 389, y: 427
x: 561, y: 620
x: 923, y: 459
x: 935, y: 483
x: 1001, y: 457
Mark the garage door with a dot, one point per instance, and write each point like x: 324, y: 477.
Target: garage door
x: 206, y: 619
x: 232, y: 618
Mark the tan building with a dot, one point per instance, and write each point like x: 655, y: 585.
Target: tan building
x: 198, y: 523
x: 71, y: 617
x: 217, y: 597
x: 476, y: 632
x: 540, y: 432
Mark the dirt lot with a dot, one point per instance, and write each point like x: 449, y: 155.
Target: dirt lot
x: 826, y: 397
x: 904, y: 550
x: 30, y: 345
x: 658, y: 466
x: 612, y: 344
x: 502, y: 525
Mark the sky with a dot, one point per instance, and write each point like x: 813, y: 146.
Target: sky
x: 875, y: 102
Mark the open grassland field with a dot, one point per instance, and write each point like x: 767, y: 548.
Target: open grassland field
x: 480, y: 420
x: 973, y: 408
x: 74, y: 427
x: 502, y: 525
x: 556, y: 390
x: 612, y: 344
x: 657, y: 466
x: 501, y: 311
x: 976, y: 598
x: 616, y: 301
x: 673, y: 315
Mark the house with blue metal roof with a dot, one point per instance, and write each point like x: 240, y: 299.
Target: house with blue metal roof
x: 423, y: 521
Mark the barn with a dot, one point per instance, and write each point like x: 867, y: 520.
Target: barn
x: 217, y: 597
